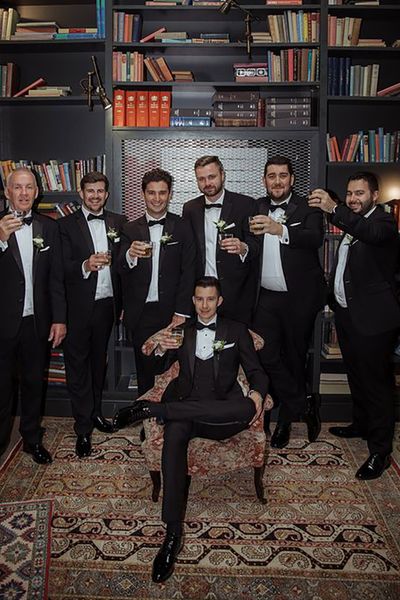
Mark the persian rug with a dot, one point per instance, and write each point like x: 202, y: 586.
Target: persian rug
x: 24, y: 549
x: 323, y: 535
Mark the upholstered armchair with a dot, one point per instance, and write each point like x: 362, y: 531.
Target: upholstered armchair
x: 206, y: 457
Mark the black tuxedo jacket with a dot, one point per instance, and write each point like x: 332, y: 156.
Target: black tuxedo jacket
x: 232, y: 272
x: 369, y: 276
x: 226, y: 362
x: 176, y: 270
x: 48, y: 281
x: 300, y: 258
x: 77, y: 246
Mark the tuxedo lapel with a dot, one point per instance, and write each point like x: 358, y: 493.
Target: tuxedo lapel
x: 84, y: 227
x: 13, y: 245
x: 37, y: 231
x: 144, y: 235
x: 190, y: 347
x: 198, y: 226
x: 220, y: 334
x: 109, y: 222
x: 168, y: 229
x: 291, y: 209
x: 226, y: 209
x: 264, y: 206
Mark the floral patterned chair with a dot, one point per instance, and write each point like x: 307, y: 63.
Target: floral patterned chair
x: 206, y: 457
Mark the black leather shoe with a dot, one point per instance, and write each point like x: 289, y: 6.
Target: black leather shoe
x: 164, y: 562
x: 101, y: 424
x: 281, y: 436
x: 38, y: 452
x: 312, y: 418
x: 373, y: 467
x: 130, y: 415
x: 83, y: 445
x: 349, y: 431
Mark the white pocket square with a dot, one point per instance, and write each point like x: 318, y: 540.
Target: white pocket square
x: 117, y: 240
x: 44, y: 249
x: 227, y: 346
x: 172, y: 243
x: 294, y: 224
x: 229, y: 226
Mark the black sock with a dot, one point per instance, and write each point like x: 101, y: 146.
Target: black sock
x: 174, y: 527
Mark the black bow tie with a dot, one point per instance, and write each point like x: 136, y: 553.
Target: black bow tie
x: 215, y: 205
x: 160, y: 222
x: 27, y: 220
x: 200, y: 326
x: 273, y: 207
x: 90, y: 217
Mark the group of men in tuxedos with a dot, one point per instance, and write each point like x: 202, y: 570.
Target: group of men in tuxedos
x: 228, y: 264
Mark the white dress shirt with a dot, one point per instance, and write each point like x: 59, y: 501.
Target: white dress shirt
x: 211, y: 216
x: 204, y: 341
x: 25, y: 245
x: 338, y: 286
x: 97, y: 228
x: 272, y: 277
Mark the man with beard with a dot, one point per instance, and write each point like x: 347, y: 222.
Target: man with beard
x: 225, y: 246
x: 367, y: 313
x: 291, y: 292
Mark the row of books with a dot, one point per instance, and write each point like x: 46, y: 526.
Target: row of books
x: 346, y: 79
x: 55, y: 374
x: 343, y: 31
x: 8, y: 22
x: 127, y: 27
x: 9, y: 79
x: 56, y: 210
x: 292, y: 64
x: 129, y: 67
x: 354, y: 2
x: 330, y: 248
x: 365, y: 146
x: 294, y: 26
x: 329, y: 228
x: 141, y: 108
x: 330, y: 349
x: 55, y: 176
x: 280, y: 112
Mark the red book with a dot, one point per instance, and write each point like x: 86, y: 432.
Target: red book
x: 142, y: 110
x: 39, y: 82
x: 389, y: 91
x: 119, y: 108
x: 165, y: 108
x: 130, y: 109
x: 151, y: 36
x: 154, y: 109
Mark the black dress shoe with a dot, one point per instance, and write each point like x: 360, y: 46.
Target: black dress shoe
x: 83, y: 445
x: 373, y: 467
x: 312, y: 418
x: 130, y: 415
x: 38, y: 452
x: 101, y: 424
x: 349, y: 431
x: 164, y: 562
x: 281, y: 436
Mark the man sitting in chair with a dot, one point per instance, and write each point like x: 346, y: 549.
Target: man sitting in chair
x: 205, y: 401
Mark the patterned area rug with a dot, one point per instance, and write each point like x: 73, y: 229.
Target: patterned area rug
x: 25, y: 549
x: 322, y: 536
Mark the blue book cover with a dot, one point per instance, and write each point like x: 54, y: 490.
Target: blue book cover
x: 99, y: 34
x: 137, y: 28
x: 103, y: 17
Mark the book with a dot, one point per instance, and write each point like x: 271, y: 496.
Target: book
x: 232, y: 122
x: 190, y: 121
x: 142, y: 109
x: 154, y: 109
x: 119, y: 107
x: 31, y: 86
x: 240, y: 96
x: 130, y: 108
x: 235, y: 114
x: 165, y: 70
x: 192, y: 112
x: 165, y: 108
x: 391, y: 90
x: 151, y: 36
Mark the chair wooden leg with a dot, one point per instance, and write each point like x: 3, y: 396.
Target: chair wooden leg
x: 258, y: 482
x: 156, y: 480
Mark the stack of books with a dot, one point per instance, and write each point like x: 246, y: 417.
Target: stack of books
x: 141, y: 108
x: 167, y: 2
x: 261, y: 37
x: 371, y: 43
x: 183, y: 75
x: 283, y: 2
x: 288, y: 111
x: 56, y: 370
x: 212, y: 38
x: 229, y: 111
x: 334, y: 383
x: 9, y: 78
x: 127, y: 27
x: 35, y: 30
x: 172, y: 37
x: 355, y: 2
x: 50, y: 91
x: 191, y: 117
x: 76, y: 33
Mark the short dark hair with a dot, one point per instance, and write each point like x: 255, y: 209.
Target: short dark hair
x: 279, y: 160
x: 208, y: 281
x: 203, y: 161
x: 156, y: 175
x: 94, y: 177
x: 367, y: 176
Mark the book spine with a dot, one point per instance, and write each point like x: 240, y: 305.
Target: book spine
x: 119, y: 108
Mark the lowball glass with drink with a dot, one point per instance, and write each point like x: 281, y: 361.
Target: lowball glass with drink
x: 148, y: 249
x: 177, y: 333
x: 224, y: 236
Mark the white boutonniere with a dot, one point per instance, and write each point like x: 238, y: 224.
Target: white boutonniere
x: 222, y: 225
x: 167, y: 237
x: 113, y: 235
x: 38, y: 242
x: 219, y: 345
x: 281, y: 219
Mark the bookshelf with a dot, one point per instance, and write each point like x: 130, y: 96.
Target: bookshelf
x: 64, y: 129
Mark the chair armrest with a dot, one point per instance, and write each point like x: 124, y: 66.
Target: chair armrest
x: 161, y: 383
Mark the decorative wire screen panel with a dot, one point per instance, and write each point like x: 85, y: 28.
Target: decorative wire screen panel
x: 243, y: 161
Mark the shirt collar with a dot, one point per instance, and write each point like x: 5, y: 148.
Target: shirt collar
x: 214, y: 320
x: 150, y: 218
x: 283, y: 201
x: 219, y: 201
x: 87, y: 212
x: 370, y: 211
